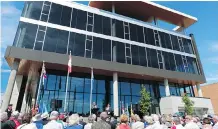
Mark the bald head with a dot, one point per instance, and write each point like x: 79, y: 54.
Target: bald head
x: 103, y: 116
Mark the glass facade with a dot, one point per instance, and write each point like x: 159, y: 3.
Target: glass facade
x: 78, y: 95
x: 36, y: 37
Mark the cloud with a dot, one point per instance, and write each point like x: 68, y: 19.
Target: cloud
x: 9, y: 21
x: 5, y: 70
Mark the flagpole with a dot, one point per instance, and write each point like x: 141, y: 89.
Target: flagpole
x: 90, y: 112
x: 39, y: 87
x: 65, y: 102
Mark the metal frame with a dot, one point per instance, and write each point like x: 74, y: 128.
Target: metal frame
x: 86, y: 49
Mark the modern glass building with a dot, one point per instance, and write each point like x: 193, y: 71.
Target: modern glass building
x: 120, y: 43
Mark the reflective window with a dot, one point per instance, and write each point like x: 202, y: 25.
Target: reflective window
x: 175, y: 43
x: 133, y: 32
x: 106, y: 49
x: 149, y: 36
x: 136, y: 88
x: 79, y: 45
x: 65, y: 17
x: 142, y: 56
x: 97, y: 48
x: 77, y: 84
x: 119, y: 29
x: 55, y: 13
x: 81, y: 20
x: 25, y: 36
x: 140, y: 34
x: 162, y: 90
x: 51, y: 83
x: 179, y: 63
x: 32, y: 9
x: 169, y: 61
x: 152, y: 58
x: 187, y: 45
x: 98, y: 24
x: 120, y: 51
x: 125, y: 88
x: 106, y: 25
x: 165, y: 40
x: 71, y: 42
x: 62, y: 42
x: 192, y: 65
x: 73, y: 18
x: 51, y: 40
x: 135, y: 55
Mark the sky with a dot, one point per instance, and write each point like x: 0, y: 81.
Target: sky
x: 205, y: 32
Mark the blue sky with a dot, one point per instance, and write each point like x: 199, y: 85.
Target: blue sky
x: 205, y: 31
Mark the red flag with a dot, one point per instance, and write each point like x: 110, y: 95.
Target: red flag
x: 69, y: 64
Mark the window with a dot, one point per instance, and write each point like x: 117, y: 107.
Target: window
x: 135, y: 55
x: 142, y: 56
x: 169, y: 61
x: 62, y: 42
x: 119, y: 29
x: 66, y: 15
x: 120, y: 52
x: 106, y: 49
x: 165, y: 40
x: 126, y: 30
x: 133, y: 32
x: 81, y: 20
x: 185, y: 63
x: 79, y: 45
x: 125, y: 88
x: 51, y: 40
x: 149, y: 36
x: 32, y: 9
x: 192, y: 65
x: 128, y: 53
x: 136, y: 88
x: 71, y: 42
x: 55, y: 13
x: 97, y: 48
x: 162, y: 90
x: 179, y: 63
x: 98, y: 24
x: 152, y: 58
x: 140, y: 34
x: 160, y: 59
x: 106, y: 25
x: 90, y: 22
x: 175, y: 43
x: 73, y: 18
x: 156, y: 38
x: 187, y: 45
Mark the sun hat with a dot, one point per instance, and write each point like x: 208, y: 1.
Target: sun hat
x: 45, y: 115
x: 37, y: 117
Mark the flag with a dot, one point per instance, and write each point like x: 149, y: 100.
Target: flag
x: 123, y: 108
x: 43, y: 73
x: 70, y: 64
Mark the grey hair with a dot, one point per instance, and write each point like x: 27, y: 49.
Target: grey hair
x: 137, y: 118
x: 103, y: 115
x: 176, y: 120
x: 90, y: 119
x: 74, y: 119
x: 4, y: 116
x: 149, y: 120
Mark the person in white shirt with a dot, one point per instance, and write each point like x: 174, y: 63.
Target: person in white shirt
x: 53, y: 124
x: 189, y: 123
x: 89, y: 124
x: 156, y: 124
x: 36, y: 123
x: 137, y: 124
x: 215, y: 119
x: 149, y: 122
x: 177, y: 122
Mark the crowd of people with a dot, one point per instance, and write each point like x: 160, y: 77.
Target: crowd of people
x: 56, y: 120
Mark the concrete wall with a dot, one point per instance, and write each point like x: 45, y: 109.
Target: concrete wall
x: 16, y: 91
x: 210, y: 91
x: 171, y: 104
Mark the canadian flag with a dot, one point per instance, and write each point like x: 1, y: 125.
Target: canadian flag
x: 70, y: 64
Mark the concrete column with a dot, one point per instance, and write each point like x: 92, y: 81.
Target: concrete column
x: 167, y: 89
x: 16, y: 91
x: 10, y: 86
x: 199, y: 90
x: 115, y: 94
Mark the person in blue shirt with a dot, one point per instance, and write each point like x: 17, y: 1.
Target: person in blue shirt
x: 74, y: 122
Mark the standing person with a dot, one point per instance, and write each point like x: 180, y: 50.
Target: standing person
x: 149, y: 122
x: 25, y: 120
x: 61, y: 120
x: 177, y: 123
x: 215, y: 119
x: 53, y: 124
x: 90, y: 122
x: 206, y: 124
x: 74, y: 122
x: 114, y: 122
x: 9, y: 110
x: 45, y: 118
x: 35, y: 124
x: 108, y: 109
x: 189, y: 123
x: 123, y: 122
x: 102, y: 124
x: 13, y: 120
x: 137, y: 124
x: 156, y: 124
x: 35, y: 110
x: 4, y: 122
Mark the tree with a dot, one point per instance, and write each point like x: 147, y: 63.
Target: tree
x: 145, y: 100
x: 188, y: 104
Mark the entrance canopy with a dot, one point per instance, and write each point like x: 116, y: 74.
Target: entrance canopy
x: 146, y: 11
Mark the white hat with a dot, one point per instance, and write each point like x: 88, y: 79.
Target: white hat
x: 74, y: 119
x: 15, y: 114
x: 37, y: 117
x: 45, y: 115
x: 54, y: 115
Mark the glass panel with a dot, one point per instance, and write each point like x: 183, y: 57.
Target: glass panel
x: 106, y: 25
x: 51, y: 82
x: 97, y: 52
x: 32, y: 9
x: 38, y: 46
x: 81, y: 20
x: 140, y: 34
x: 135, y: 55
x: 65, y: 17
x: 51, y: 40
x: 120, y: 52
x: 179, y: 63
x: 40, y: 36
x: 61, y: 83
x: 192, y: 65
x: 98, y: 24
x: 25, y: 36
x: 175, y: 43
x: 101, y: 86
x: 149, y: 36
x: 165, y: 40
x: 133, y: 32
x: 73, y: 18
x: 62, y: 42
x: 106, y: 49
x: 125, y: 88
x: 88, y: 86
x: 136, y: 88
x: 162, y: 90
x: 187, y: 45
x: 86, y: 104
x: 119, y: 29
x: 79, y: 45
x: 78, y: 103
x: 55, y: 13
x: 135, y: 100
x: 71, y: 42
x: 77, y: 84
x: 173, y: 90
x: 100, y: 102
x: 152, y: 58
